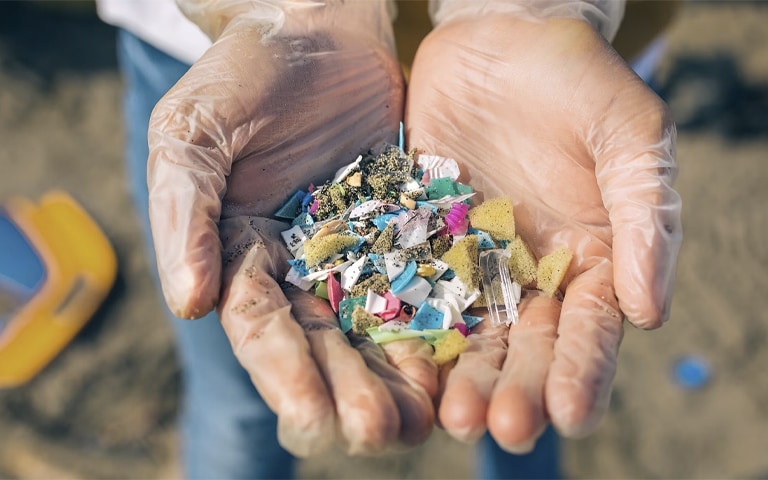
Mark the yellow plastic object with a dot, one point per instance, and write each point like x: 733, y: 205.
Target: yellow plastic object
x: 80, y: 269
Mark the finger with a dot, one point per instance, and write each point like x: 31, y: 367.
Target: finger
x: 467, y: 386
x: 368, y: 419
x: 516, y: 415
x: 635, y: 170
x: 578, y: 386
x: 413, y: 358
x: 414, y: 405
x: 189, y: 160
x: 268, y: 342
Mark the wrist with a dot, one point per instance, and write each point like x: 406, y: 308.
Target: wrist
x: 603, y: 15
x: 369, y: 18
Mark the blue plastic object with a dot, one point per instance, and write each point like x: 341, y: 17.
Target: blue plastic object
x: 692, y: 372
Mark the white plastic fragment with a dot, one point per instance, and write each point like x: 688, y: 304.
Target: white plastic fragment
x: 375, y: 303
x: 352, y: 273
x: 415, y: 292
x: 294, y: 277
x: 343, y: 172
x: 448, y: 200
x: 294, y: 238
x: 394, y: 264
x: 435, y: 166
x: 323, y: 274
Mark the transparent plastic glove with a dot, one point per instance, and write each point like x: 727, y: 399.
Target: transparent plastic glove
x: 269, y: 108
x: 545, y: 112
x: 324, y: 386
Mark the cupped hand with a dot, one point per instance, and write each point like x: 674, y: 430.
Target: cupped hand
x: 545, y: 112
x: 259, y: 116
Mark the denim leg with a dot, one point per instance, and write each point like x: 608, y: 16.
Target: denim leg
x: 227, y: 430
x: 493, y: 463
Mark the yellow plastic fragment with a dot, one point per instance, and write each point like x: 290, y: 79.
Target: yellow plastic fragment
x: 522, y: 262
x: 494, y: 216
x: 552, y: 270
x: 449, y: 347
x: 463, y: 258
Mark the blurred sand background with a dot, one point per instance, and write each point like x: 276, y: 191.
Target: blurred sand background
x: 105, y: 408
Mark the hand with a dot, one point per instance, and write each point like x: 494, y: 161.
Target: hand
x: 545, y: 112
x: 269, y: 108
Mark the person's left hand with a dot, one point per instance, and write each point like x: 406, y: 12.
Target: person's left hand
x: 545, y: 112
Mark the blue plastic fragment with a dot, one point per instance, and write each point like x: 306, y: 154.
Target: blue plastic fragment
x: 382, y: 220
x: 422, y: 204
x: 306, y: 201
x: 402, y: 280
x: 300, y: 265
x: 471, y: 320
x: 691, y: 372
x: 401, y: 137
x: 378, y: 263
x: 427, y: 317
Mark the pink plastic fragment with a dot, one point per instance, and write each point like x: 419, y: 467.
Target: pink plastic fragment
x: 335, y: 293
x: 392, y: 309
x: 311, y: 188
x: 462, y: 328
x: 457, y: 220
x: 313, y: 207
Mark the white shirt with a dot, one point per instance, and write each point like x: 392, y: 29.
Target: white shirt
x: 159, y: 23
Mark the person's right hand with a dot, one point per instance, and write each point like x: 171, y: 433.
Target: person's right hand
x: 288, y: 93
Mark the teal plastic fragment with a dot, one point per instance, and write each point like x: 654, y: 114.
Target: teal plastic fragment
x: 484, y: 240
x: 304, y: 221
x: 471, y: 320
x: 440, y: 187
x: 346, y: 307
x: 292, y: 207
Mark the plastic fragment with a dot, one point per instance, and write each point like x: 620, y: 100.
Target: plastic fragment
x: 497, y: 287
x: 426, y: 317
x: 352, y: 273
x: 292, y: 207
x: 346, y: 307
x: 321, y: 290
x: 457, y: 219
x: 335, y: 294
x: 415, y: 292
x: 294, y: 238
x: 435, y: 166
x: 392, y: 309
x: 691, y: 372
x: 404, y: 278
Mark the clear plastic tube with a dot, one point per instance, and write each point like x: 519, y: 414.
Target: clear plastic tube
x: 498, y: 287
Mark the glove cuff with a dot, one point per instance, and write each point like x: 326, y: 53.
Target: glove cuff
x: 274, y: 17
x: 604, y: 15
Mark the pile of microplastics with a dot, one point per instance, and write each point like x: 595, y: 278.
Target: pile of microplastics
x: 389, y: 243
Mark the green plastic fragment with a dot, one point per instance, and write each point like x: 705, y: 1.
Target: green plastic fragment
x: 385, y: 336
x: 440, y: 187
x: 321, y: 290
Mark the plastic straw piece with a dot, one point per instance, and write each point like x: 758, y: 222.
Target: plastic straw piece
x: 498, y: 288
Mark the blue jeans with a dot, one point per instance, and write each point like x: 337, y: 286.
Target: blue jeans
x: 227, y: 429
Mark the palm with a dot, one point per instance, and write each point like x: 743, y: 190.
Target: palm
x: 546, y: 114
